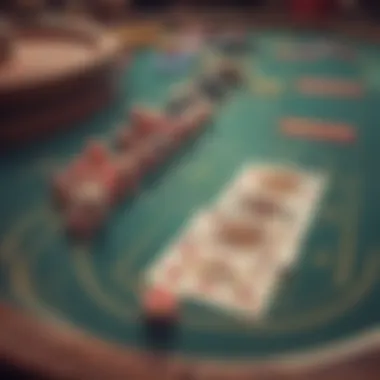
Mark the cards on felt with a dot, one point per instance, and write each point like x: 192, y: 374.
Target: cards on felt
x: 233, y: 254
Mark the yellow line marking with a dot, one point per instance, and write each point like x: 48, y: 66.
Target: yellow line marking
x: 123, y: 277
x: 91, y: 285
x: 320, y: 314
x: 352, y: 293
x: 19, y: 264
x: 351, y: 296
x: 11, y: 240
x: 119, y: 267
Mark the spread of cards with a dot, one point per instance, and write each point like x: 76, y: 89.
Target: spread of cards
x: 233, y: 254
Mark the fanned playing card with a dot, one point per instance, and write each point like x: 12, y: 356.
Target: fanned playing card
x: 232, y: 255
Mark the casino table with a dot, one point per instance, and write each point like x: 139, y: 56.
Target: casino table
x: 72, y: 310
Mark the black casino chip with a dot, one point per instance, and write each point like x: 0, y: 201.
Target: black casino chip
x: 179, y: 104
x: 231, y: 76
x: 213, y: 87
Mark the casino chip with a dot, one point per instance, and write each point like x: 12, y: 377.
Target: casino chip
x: 160, y: 304
x: 160, y: 312
x: 179, y: 104
x: 231, y: 75
x: 213, y: 87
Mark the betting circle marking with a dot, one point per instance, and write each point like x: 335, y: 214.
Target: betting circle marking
x: 82, y: 261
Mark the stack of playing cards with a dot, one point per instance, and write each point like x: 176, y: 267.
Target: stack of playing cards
x: 233, y: 254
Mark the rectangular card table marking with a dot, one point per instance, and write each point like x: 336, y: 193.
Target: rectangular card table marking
x: 318, y: 130
x: 233, y: 254
x: 330, y: 87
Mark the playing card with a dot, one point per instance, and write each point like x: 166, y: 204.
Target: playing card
x: 233, y: 254
x: 183, y: 253
x: 234, y: 277
x: 282, y: 199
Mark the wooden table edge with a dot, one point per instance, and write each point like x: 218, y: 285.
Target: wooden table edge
x: 59, y: 351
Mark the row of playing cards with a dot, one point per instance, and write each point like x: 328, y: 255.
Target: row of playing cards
x: 233, y: 254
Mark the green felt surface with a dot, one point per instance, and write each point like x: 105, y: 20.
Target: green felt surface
x: 332, y: 295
